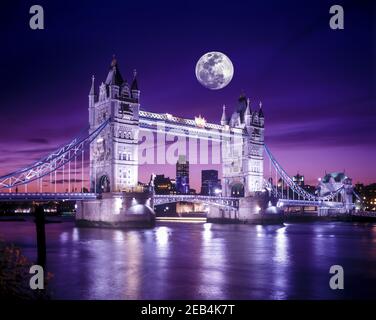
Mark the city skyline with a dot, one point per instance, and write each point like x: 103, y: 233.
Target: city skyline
x: 317, y: 105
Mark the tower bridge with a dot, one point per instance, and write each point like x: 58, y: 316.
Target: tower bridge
x: 111, y: 147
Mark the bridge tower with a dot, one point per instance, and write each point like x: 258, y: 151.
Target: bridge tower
x: 242, y: 152
x: 114, y: 153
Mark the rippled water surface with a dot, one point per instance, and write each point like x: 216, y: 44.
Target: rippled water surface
x: 205, y: 261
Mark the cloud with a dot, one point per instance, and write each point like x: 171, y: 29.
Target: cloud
x: 38, y: 140
x: 327, y: 133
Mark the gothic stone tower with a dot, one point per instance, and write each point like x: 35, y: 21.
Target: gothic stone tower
x: 242, y: 153
x: 114, y: 153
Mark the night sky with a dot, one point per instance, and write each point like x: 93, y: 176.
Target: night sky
x: 317, y: 85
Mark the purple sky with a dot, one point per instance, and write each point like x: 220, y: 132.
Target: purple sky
x: 317, y: 85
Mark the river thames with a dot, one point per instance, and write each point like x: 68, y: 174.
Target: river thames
x: 204, y: 261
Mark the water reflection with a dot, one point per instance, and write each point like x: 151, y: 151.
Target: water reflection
x: 259, y: 230
x: 280, y: 253
x: 204, y: 261
x: 207, y: 234
x: 162, y: 237
x: 280, y: 274
x: 213, y: 265
x: 64, y: 237
x: 162, y: 258
x: 76, y: 234
x: 134, y: 273
x: 118, y: 235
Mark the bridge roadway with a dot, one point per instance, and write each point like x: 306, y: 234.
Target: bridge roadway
x: 46, y: 196
x: 158, y: 199
x: 309, y: 203
x: 73, y: 196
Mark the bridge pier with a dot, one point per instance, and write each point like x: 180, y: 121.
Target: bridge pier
x: 117, y: 210
x: 252, y: 209
x: 322, y: 212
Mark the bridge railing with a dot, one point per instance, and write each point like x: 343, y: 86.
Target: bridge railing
x: 51, y: 163
x: 214, y: 200
x: 46, y: 196
x: 288, y: 182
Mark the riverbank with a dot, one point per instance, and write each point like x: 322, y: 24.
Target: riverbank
x: 331, y: 218
x: 49, y: 219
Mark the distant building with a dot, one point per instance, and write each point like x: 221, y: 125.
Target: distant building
x: 182, y: 175
x: 310, y: 189
x: 299, y: 180
x: 367, y: 195
x: 210, y: 184
x: 163, y: 185
x: 192, y: 191
x: 173, y: 183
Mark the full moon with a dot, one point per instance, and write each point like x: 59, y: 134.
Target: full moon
x: 214, y: 70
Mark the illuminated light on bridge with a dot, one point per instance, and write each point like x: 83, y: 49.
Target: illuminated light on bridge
x: 182, y: 219
x: 200, y: 121
x: 118, y: 205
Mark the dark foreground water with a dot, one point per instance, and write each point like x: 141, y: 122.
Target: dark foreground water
x: 205, y: 261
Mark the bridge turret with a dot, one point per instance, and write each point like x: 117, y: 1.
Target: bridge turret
x: 248, y: 113
x: 92, y: 94
x: 134, y: 87
x: 92, y: 99
x: 125, y: 91
x: 114, y: 80
x: 242, y: 153
x: 224, y: 120
x: 114, y: 155
x: 261, y: 115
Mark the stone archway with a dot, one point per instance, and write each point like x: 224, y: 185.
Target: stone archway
x: 237, y: 190
x: 104, y: 184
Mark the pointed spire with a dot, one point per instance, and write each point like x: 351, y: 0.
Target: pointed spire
x: 248, y: 109
x: 92, y: 89
x: 242, y: 96
x: 134, y: 85
x: 242, y: 102
x: 261, y: 113
x: 114, y: 77
x: 224, y: 117
x: 114, y: 61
